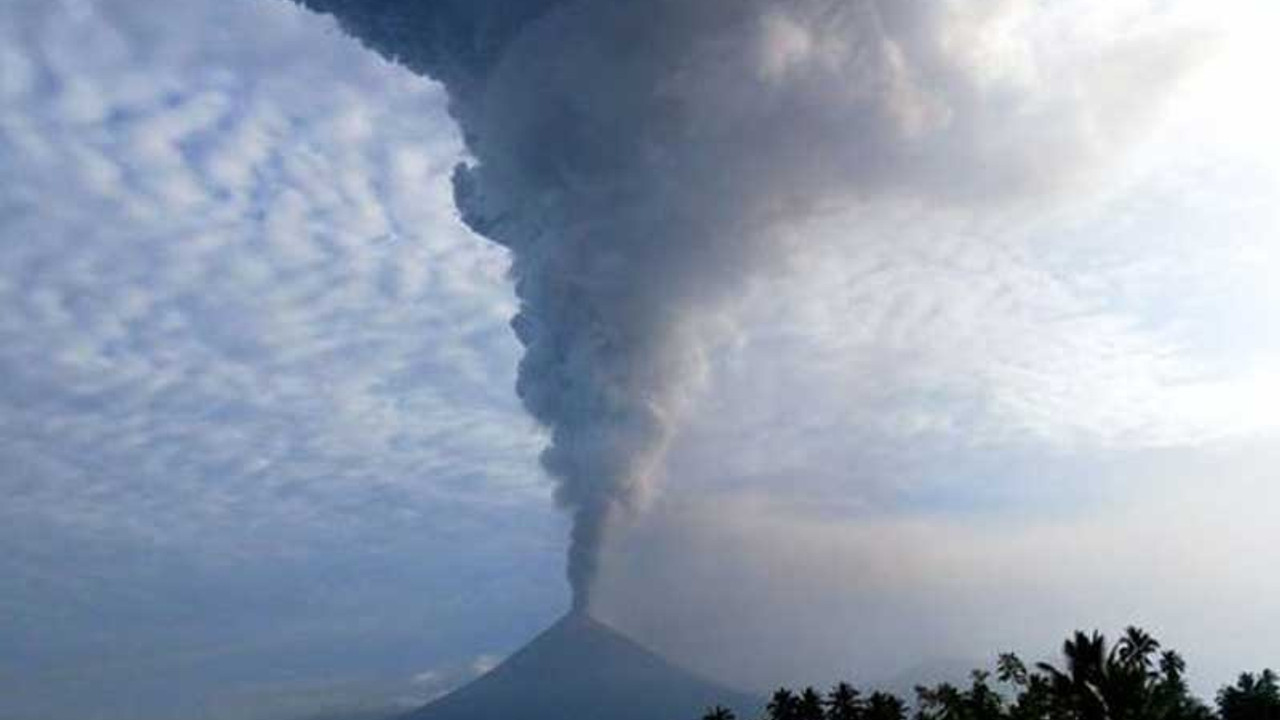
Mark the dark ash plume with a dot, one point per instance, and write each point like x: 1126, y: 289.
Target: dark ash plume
x: 640, y: 157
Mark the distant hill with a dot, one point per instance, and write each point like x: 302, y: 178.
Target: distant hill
x: 581, y: 669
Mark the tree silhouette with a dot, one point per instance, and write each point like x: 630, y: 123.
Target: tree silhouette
x: 947, y: 702
x: 719, y: 713
x: 810, y: 705
x: 1136, y: 648
x: 883, y: 706
x: 1080, y: 687
x: 844, y: 702
x: 783, y: 706
x: 1253, y: 697
x: 1171, y: 697
x: 1035, y: 699
x: 1133, y: 680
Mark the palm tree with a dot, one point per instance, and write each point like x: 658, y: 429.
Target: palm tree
x: 809, y: 706
x: 1253, y: 697
x: 983, y: 702
x: 1010, y: 669
x: 783, y: 706
x: 1172, y: 666
x: 1080, y: 686
x: 719, y: 713
x: 1123, y: 684
x: 1132, y: 680
x: 1136, y: 648
x: 1036, y: 700
x: 942, y: 702
x: 883, y: 706
x: 844, y: 703
x: 947, y: 702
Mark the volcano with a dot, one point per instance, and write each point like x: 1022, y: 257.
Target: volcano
x: 582, y: 669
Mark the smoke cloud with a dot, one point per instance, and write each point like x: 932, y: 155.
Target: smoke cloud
x: 642, y: 160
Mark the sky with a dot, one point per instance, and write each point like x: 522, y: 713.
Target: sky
x: 261, y: 454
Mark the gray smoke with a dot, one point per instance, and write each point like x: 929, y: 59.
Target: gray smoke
x: 642, y: 158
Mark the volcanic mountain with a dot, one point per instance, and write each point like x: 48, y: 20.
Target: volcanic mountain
x: 581, y: 669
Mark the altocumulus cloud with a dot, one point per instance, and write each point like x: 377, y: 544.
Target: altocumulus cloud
x: 243, y: 330
x: 213, y: 271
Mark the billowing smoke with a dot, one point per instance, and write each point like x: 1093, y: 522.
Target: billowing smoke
x: 641, y: 159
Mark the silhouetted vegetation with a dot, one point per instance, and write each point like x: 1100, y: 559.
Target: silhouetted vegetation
x: 1134, y: 679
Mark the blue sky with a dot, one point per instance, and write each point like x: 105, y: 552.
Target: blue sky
x: 261, y: 454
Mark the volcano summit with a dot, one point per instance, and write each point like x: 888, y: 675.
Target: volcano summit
x: 581, y: 669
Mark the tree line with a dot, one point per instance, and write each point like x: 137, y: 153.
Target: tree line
x: 1134, y: 679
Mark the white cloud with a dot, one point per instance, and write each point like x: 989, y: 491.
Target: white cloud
x: 484, y: 663
x: 249, y: 357
x: 426, y: 677
x: 440, y: 681
x: 235, y: 284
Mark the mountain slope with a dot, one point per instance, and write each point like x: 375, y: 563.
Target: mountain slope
x: 581, y: 669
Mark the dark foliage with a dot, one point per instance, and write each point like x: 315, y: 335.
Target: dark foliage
x: 1253, y: 697
x: 1131, y: 680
